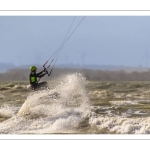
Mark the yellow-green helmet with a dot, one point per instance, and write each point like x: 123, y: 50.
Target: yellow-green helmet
x: 33, y: 68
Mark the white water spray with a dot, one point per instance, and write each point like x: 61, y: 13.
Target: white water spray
x: 58, y: 110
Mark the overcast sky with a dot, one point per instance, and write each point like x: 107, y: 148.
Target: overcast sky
x: 99, y: 40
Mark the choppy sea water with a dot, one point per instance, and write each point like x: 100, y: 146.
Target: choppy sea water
x: 73, y: 105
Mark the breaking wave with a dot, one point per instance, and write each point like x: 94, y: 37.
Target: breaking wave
x: 121, y: 125
x: 54, y: 110
x: 65, y: 107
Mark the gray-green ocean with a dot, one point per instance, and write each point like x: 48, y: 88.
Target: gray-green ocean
x: 73, y: 105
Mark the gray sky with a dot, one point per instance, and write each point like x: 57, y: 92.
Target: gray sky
x: 99, y: 40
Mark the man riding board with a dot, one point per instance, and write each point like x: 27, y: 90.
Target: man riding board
x: 33, y: 78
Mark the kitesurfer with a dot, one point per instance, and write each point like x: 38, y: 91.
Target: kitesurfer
x: 33, y: 77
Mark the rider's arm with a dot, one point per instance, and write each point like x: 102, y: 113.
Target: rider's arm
x: 39, y: 75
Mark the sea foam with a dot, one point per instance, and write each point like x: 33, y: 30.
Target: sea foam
x: 53, y: 110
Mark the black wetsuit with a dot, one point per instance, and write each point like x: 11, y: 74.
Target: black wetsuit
x: 33, y: 79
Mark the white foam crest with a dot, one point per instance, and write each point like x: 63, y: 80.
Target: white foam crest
x: 58, y: 110
x: 121, y: 125
x: 129, y: 102
x: 64, y: 122
x: 124, y: 102
x: 61, y: 123
x: 6, y: 111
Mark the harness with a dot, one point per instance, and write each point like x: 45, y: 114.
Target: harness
x: 33, y: 78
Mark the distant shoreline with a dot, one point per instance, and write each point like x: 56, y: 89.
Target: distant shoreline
x: 91, y: 75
